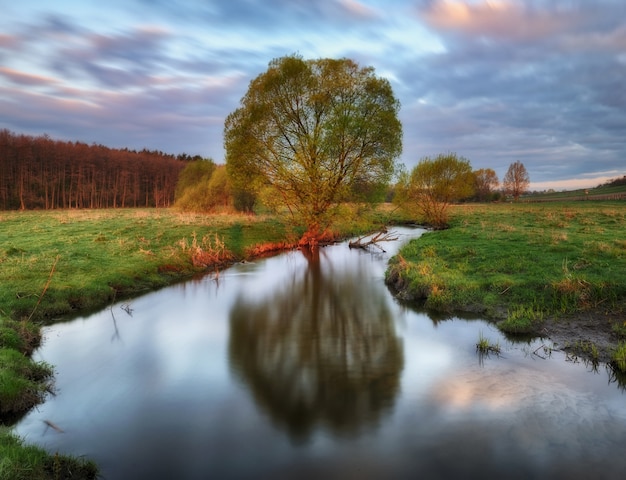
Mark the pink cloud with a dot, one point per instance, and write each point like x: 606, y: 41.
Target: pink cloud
x: 21, y: 78
x: 610, y: 40
x: 358, y: 9
x: 500, y: 19
x: 8, y: 41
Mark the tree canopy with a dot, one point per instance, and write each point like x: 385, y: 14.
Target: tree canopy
x: 485, y: 183
x: 203, y: 186
x: 433, y: 184
x: 316, y: 132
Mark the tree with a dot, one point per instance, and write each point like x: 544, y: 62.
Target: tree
x: 516, y: 180
x: 196, y: 172
x: 485, y: 183
x: 314, y: 131
x: 39, y: 172
x: 433, y: 184
x: 203, y: 186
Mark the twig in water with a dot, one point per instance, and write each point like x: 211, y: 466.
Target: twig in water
x: 545, y: 349
x: 53, y: 426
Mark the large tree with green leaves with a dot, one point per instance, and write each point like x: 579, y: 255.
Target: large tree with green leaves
x: 316, y: 132
x: 433, y: 184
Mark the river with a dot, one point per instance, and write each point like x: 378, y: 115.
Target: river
x: 305, y: 366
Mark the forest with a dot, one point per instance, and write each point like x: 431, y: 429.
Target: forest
x: 43, y: 173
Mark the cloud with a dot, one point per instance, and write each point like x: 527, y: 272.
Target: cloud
x: 22, y: 78
x: 514, y: 82
x: 495, y: 81
x: 497, y: 19
x: 9, y: 42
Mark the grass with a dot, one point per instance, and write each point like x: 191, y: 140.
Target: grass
x: 104, y: 254
x: 587, y: 348
x: 98, y: 255
x: 485, y: 347
x: 23, y: 383
x: 521, y: 320
x: 57, y: 263
x: 619, y: 357
x: 519, y: 262
x: 26, y: 462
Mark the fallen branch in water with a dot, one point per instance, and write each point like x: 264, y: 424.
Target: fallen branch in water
x: 382, y: 236
x: 53, y: 426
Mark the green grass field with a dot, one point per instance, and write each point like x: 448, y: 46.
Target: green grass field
x: 522, y: 262
x: 90, y: 256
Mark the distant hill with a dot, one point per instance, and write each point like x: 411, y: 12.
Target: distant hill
x: 612, y: 190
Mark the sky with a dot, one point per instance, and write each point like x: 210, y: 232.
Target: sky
x: 539, y: 81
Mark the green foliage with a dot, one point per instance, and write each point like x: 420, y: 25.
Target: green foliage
x: 433, y: 185
x: 244, y: 200
x: 317, y: 132
x: 203, y: 187
x: 195, y: 172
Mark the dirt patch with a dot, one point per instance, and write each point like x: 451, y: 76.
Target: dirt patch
x: 579, y: 332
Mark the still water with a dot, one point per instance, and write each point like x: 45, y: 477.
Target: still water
x: 304, y: 366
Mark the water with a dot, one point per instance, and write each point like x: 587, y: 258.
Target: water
x: 306, y: 367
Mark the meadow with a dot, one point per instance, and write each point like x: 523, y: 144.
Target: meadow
x: 524, y: 265
x: 527, y: 266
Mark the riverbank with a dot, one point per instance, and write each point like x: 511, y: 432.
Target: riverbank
x: 555, y: 270
x: 55, y: 264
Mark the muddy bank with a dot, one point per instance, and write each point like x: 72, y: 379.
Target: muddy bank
x: 578, y: 333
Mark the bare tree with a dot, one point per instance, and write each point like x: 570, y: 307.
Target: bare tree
x: 516, y: 180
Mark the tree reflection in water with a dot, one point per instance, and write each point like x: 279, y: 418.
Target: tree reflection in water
x: 321, y: 351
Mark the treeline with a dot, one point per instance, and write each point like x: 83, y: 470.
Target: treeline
x: 615, y: 182
x: 42, y: 173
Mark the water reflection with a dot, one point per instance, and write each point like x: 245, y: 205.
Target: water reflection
x: 305, y: 367
x: 321, y: 351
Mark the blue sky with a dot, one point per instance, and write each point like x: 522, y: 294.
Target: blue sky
x: 540, y: 81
